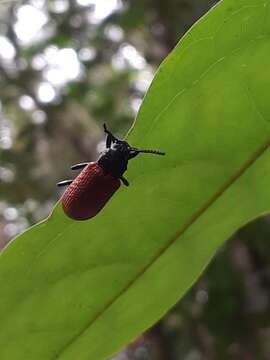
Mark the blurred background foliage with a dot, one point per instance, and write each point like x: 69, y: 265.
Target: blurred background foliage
x: 68, y: 66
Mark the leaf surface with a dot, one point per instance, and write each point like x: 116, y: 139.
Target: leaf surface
x: 82, y: 290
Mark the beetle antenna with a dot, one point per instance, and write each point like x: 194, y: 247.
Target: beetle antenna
x: 107, y: 131
x: 111, y: 137
x: 155, y: 152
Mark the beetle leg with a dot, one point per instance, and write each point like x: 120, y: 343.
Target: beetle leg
x: 110, y: 137
x: 124, y: 181
x: 64, y: 183
x: 108, y: 141
x: 79, y: 166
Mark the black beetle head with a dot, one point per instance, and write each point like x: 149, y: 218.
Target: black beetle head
x: 118, y: 152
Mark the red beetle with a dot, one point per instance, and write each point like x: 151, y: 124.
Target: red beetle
x: 87, y: 194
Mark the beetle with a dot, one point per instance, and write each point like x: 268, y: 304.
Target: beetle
x: 88, y: 193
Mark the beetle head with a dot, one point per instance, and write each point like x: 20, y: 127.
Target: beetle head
x: 118, y: 152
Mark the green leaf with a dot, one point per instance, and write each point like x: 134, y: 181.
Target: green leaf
x: 82, y: 290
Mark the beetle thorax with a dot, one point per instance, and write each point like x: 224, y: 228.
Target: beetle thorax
x: 114, y: 160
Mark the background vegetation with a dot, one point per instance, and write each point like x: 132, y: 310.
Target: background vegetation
x: 65, y: 68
